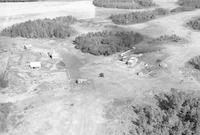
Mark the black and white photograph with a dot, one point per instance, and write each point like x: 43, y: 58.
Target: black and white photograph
x: 99, y: 67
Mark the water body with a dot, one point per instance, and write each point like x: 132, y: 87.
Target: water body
x: 14, y: 12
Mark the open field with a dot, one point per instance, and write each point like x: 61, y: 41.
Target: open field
x: 49, y: 87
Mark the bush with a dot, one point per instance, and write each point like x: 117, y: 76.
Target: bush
x: 124, y: 4
x: 195, y: 62
x: 107, y: 42
x: 194, y: 24
x: 138, y: 17
x: 189, y: 3
x: 46, y: 28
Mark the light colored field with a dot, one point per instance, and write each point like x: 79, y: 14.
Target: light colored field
x: 11, y: 13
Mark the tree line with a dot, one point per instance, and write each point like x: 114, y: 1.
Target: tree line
x: 42, y: 28
x: 124, y: 4
x: 138, y: 17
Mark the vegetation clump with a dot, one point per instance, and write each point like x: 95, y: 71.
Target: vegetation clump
x: 42, y: 28
x: 107, y: 42
x: 168, y: 38
x: 138, y: 17
x: 3, y: 80
x: 182, y: 9
x: 194, y: 24
x: 189, y: 3
x: 174, y: 113
x: 195, y: 62
x: 124, y: 4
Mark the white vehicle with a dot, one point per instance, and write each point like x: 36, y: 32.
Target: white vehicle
x: 35, y: 65
x: 27, y: 46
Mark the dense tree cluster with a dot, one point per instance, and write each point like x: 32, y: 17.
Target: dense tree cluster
x: 176, y: 113
x: 194, y: 24
x: 124, y: 4
x: 42, y: 28
x: 189, y: 3
x: 107, y: 42
x: 138, y: 17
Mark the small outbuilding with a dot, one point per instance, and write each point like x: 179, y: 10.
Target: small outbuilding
x: 35, y: 65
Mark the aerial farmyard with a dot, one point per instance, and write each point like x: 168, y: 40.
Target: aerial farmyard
x: 100, y: 67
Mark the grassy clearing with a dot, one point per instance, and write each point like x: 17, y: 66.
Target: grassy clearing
x: 107, y: 42
x: 124, y: 4
x: 173, y: 113
x: 138, y: 17
x: 42, y: 28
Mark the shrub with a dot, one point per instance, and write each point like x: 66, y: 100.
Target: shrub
x: 124, y: 4
x: 138, y: 17
x: 189, y: 3
x: 46, y: 28
x: 107, y: 42
x: 195, y: 62
x: 194, y: 24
